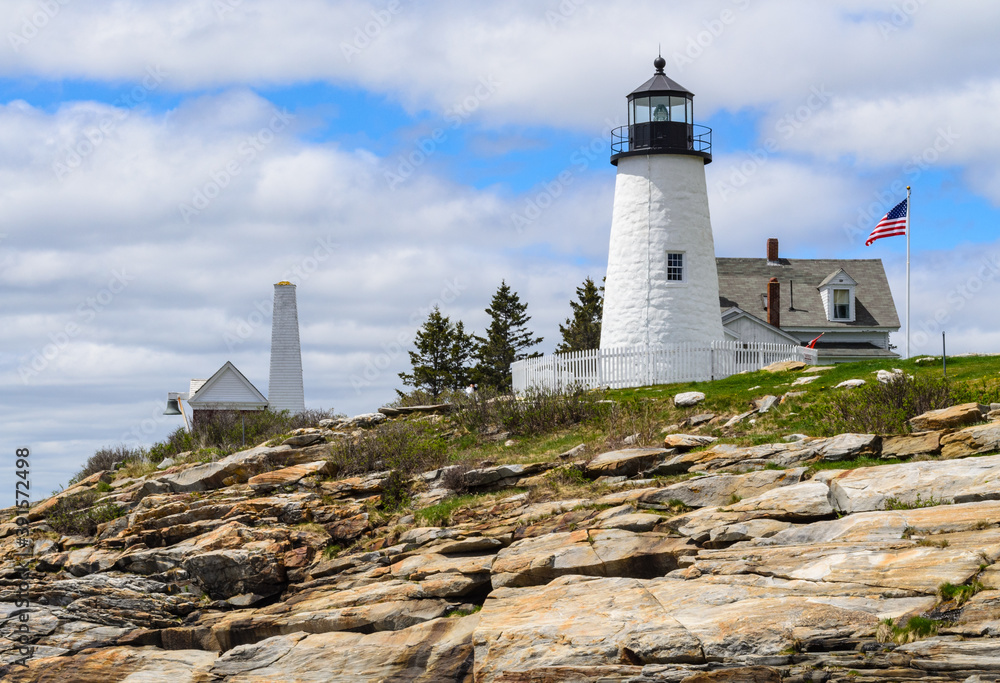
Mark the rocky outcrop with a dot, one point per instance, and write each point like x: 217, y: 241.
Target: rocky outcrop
x: 660, y: 565
x: 627, y: 462
x: 949, y: 418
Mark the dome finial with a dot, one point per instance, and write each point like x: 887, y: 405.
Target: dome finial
x: 659, y: 62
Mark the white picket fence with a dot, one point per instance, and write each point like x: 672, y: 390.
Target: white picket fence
x: 636, y: 366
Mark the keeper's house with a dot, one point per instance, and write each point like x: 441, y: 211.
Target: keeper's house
x: 781, y: 300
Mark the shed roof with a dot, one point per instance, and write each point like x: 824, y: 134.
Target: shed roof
x: 743, y: 281
x: 227, y: 388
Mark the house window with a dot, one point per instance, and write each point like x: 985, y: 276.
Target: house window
x: 841, y: 304
x: 675, y: 267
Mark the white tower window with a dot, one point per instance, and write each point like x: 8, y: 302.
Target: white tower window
x: 675, y: 266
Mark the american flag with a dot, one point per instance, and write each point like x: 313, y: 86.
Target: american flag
x: 891, y: 225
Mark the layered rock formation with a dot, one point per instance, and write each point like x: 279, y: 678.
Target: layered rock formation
x: 745, y: 564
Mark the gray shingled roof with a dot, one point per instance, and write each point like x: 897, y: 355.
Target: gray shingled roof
x: 742, y: 281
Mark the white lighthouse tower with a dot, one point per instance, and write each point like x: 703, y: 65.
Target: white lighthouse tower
x: 284, y: 388
x: 662, y: 286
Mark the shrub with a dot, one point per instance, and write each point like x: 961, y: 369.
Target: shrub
x: 228, y: 431
x: 402, y: 445
x: 76, y: 514
x: 180, y: 441
x: 454, y: 478
x: 884, y: 408
x: 534, y: 412
x: 105, y: 458
x: 395, y: 492
x: 627, y: 419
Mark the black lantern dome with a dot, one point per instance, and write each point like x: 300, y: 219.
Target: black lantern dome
x: 661, y: 121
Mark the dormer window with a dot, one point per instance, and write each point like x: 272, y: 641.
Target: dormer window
x: 837, y: 292
x: 841, y: 304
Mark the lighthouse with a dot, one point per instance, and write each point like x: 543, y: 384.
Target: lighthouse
x: 284, y: 388
x: 662, y: 285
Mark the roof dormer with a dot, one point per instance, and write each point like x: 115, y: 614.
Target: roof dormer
x: 837, y: 291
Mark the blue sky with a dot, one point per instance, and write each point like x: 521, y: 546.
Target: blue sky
x: 381, y: 155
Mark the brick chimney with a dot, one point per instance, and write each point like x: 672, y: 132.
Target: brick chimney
x: 773, y: 296
x: 772, y: 250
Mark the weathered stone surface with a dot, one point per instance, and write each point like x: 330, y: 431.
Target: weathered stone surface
x: 698, y: 419
x: 125, y: 664
x: 720, y: 489
x: 688, y: 398
x: 303, y: 440
x: 198, y: 478
x: 944, y: 654
x: 419, y: 567
x: 433, y: 409
x: 949, y: 418
x: 885, y: 376
x: 636, y: 521
x: 908, y: 445
x: 289, y: 476
x: 626, y: 462
x: 592, y: 623
x: 363, y: 421
x: 683, y: 442
x: 736, y: 419
x: 971, y: 441
x: 745, y: 531
x: 503, y: 474
x: 439, y: 650
x: 610, y: 552
x: 348, y: 529
x: 805, y: 380
x: 425, y: 534
x: 868, y: 488
x: 765, y: 403
x: 783, y: 366
x: 805, y: 500
x: 847, y: 446
x: 580, y: 622
x: 729, y: 457
x: 850, y: 384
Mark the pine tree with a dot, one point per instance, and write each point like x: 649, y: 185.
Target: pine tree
x: 441, y: 360
x: 582, y: 332
x: 507, y: 339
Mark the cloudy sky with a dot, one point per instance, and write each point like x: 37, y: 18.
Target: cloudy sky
x: 164, y: 163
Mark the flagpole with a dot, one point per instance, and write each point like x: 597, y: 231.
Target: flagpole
x: 909, y: 208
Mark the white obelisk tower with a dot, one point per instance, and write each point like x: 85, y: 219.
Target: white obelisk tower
x: 284, y: 388
x: 662, y: 285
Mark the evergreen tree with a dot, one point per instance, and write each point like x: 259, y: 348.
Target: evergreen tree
x: 441, y: 360
x: 507, y: 339
x: 582, y: 332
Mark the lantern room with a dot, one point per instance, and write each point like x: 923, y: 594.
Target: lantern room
x: 661, y: 121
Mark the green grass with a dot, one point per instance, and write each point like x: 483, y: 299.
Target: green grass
x: 893, y: 503
x: 970, y: 379
x: 439, y: 514
x: 914, y: 629
x: 458, y: 613
x: 959, y: 594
